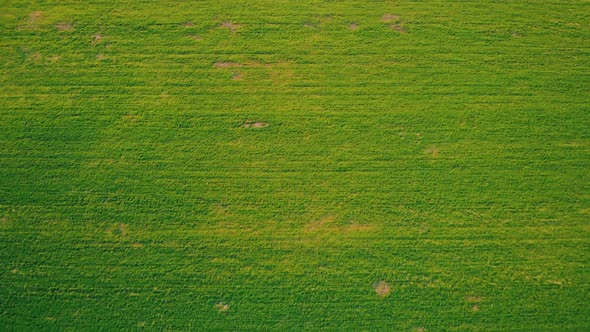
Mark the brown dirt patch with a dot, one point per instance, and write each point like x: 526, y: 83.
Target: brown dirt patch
x: 34, y: 17
x: 227, y: 65
x: 475, y: 308
x: 32, y: 21
x: 433, y: 152
x: 96, y: 38
x: 64, y: 26
x: 236, y: 76
x: 353, y: 27
x: 388, y: 18
x: 196, y: 37
x: 36, y: 56
x: 398, y: 28
x: 221, y: 307
x: 230, y: 26
x: 473, y: 299
x: 382, y: 289
x: 256, y: 125
x: 188, y: 24
x: 54, y: 58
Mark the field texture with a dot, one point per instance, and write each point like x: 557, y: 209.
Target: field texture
x: 295, y: 165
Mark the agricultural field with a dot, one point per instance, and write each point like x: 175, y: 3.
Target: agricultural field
x: 295, y: 165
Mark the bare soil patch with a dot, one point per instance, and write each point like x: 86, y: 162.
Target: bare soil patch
x: 64, y: 26
x: 188, y: 24
x: 397, y: 27
x: 382, y: 289
x: 227, y: 65
x: 353, y: 27
x: 96, y: 38
x: 221, y: 307
x: 236, y: 76
x: 255, y: 125
x: 230, y: 26
x: 196, y: 37
x: 388, y: 18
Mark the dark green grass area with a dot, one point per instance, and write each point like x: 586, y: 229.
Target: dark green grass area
x: 444, y: 153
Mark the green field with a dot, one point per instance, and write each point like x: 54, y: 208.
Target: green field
x: 295, y: 165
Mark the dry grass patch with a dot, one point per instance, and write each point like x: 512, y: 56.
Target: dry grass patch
x: 473, y: 299
x: 397, y: 27
x: 255, y: 125
x: 230, y: 26
x: 64, y: 26
x: 432, y: 151
x: 236, y: 76
x: 388, y: 18
x: 353, y: 27
x: 96, y: 38
x: 100, y: 57
x: 196, y: 37
x: 382, y: 289
x: 188, y: 24
x: 227, y: 65
x: 221, y: 307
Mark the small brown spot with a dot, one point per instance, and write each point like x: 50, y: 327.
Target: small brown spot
x: 420, y: 329
x: 221, y: 307
x: 96, y: 38
x: 397, y: 27
x: 236, y: 76
x: 434, y: 152
x: 516, y: 34
x: 308, y: 25
x: 32, y: 21
x: 227, y: 65
x: 473, y: 299
x: 64, y: 26
x: 36, y: 56
x: 353, y: 27
x: 54, y: 58
x: 388, y: 18
x: 35, y: 16
x: 255, y: 125
x: 100, y: 57
x: 196, y: 37
x: 188, y: 24
x: 230, y: 26
x: 137, y: 245
x: 382, y: 289
x: 475, y: 308
x: 122, y: 229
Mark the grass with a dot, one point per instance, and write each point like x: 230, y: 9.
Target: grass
x: 434, y: 178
